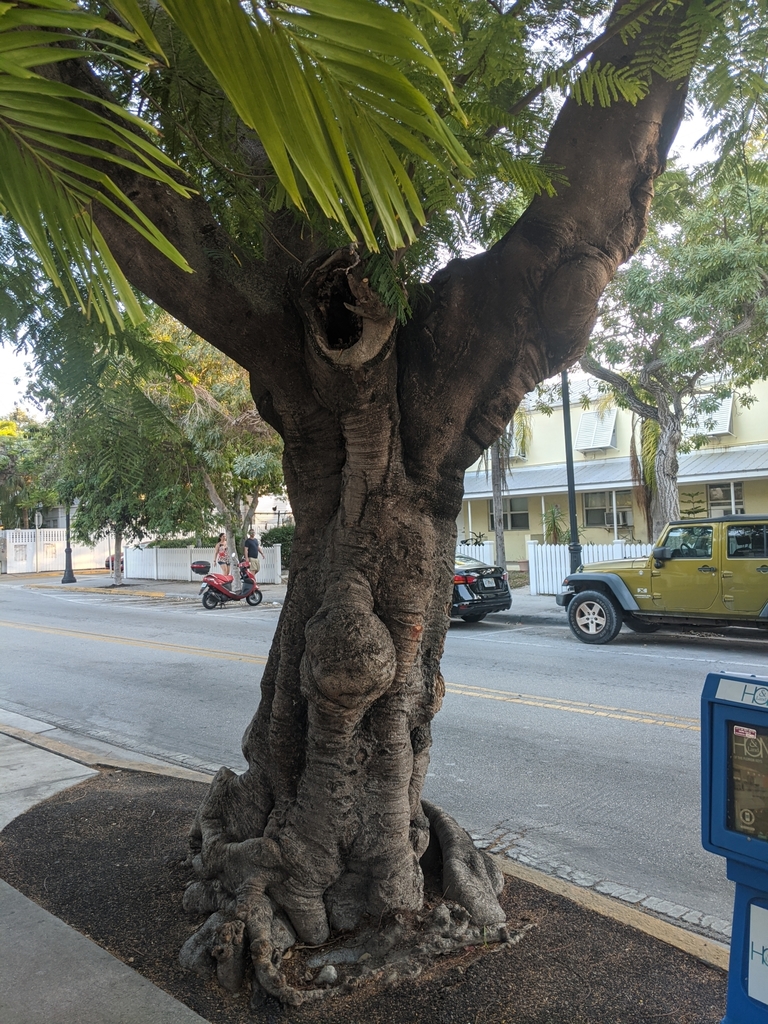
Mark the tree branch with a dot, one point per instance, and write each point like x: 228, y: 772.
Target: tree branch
x: 621, y: 385
x: 590, y: 48
x: 500, y: 322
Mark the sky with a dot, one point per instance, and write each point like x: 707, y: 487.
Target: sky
x: 12, y: 366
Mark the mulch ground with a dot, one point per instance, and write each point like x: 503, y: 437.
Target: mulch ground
x: 104, y: 857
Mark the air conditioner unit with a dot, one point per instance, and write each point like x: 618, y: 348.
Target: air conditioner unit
x: 623, y: 518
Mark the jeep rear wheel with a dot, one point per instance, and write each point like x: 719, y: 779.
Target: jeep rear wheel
x: 593, y: 617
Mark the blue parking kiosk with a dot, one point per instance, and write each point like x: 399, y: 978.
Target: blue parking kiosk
x: 734, y: 825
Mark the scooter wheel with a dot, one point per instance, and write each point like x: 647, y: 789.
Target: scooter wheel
x: 255, y: 598
x: 209, y: 600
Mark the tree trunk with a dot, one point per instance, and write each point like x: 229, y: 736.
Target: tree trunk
x: 665, y: 500
x: 327, y: 825
x: 498, y: 504
x: 228, y: 519
x: 117, y: 571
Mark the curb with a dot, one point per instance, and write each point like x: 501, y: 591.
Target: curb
x: 104, y: 590
x: 712, y: 953
x: 91, y: 760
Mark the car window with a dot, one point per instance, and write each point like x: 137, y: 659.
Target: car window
x: 747, y: 541
x: 690, y: 541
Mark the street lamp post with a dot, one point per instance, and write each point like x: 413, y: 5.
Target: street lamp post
x: 69, y: 576
x: 574, y: 547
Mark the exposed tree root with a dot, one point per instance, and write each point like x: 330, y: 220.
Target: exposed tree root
x: 249, y: 935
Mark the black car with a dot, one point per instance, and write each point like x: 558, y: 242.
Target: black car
x: 478, y: 589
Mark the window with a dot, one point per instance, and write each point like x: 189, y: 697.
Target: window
x: 598, y: 508
x: 690, y: 541
x: 596, y: 431
x: 725, y: 499
x: 748, y: 541
x: 515, y: 514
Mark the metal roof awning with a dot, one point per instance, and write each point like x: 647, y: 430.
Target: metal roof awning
x: 748, y: 462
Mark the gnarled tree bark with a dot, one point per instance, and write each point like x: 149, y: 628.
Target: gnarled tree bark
x: 327, y: 825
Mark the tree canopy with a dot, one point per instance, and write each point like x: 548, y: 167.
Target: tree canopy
x: 684, y: 325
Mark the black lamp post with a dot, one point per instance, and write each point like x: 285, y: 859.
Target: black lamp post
x: 69, y: 576
x: 574, y: 547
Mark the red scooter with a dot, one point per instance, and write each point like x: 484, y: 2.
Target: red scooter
x: 216, y: 588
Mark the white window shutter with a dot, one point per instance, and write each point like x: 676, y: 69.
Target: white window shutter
x: 596, y: 431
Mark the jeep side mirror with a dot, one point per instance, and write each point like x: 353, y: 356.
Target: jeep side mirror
x: 660, y: 556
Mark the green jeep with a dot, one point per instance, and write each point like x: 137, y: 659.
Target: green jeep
x: 704, y: 572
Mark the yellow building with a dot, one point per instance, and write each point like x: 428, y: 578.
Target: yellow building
x: 727, y: 475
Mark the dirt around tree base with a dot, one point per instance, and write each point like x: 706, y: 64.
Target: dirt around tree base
x: 106, y: 857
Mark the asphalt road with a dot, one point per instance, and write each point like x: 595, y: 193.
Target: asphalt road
x: 583, y: 760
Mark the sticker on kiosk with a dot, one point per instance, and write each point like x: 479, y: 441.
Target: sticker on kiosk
x: 748, y: 780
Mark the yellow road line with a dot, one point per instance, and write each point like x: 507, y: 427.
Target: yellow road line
x: 572, y: 703
x: 575, y: 707
x: 529, y: 700
x: 202, y: 652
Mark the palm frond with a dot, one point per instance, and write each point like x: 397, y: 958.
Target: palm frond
x: 320, y: 83
x: 49, y: 135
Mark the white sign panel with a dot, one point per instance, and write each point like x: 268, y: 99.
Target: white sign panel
x: 742, y: 692
x: 757, y: 976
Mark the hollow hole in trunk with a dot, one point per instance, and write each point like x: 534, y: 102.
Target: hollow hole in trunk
x: 343, y: 328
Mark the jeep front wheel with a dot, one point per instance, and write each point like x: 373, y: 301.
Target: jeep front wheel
x: 593, y: 617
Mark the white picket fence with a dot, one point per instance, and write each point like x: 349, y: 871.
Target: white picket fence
x: 551, y: 563
x: 175, y: 563
x: 485, y: 551
x: 26, y: 551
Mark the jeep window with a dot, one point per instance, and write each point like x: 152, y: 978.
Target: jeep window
x: 690, y: 541
x: 747, y: 541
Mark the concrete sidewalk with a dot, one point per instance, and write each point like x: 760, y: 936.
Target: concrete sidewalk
x: 50, y: 973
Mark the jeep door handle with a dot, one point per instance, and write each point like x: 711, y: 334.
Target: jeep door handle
x: 762, y: 568
x: 711, y: 568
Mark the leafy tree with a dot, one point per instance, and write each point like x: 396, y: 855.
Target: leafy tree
x: 684, y: 326
x: 282, y: 535
x: 23, y: 445
x: 330, y: 180
x: 237, y: 454
x: 112, y: 450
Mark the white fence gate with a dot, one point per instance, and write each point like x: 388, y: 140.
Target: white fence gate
x: 551, y: 563
x: 27, y: 551
x: 485, y: 551
x: 175, y: 563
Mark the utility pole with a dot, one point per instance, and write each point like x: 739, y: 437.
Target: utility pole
x: 574, y: 547
x: 69, y: 576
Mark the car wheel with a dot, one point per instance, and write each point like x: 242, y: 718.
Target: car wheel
x: 474, y: 617
x: 638, y: 626
x: 593, y: 617
x: 255, y: 598
x: 209, y: 600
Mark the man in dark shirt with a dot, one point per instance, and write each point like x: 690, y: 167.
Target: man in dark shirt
x: 252, y: 551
